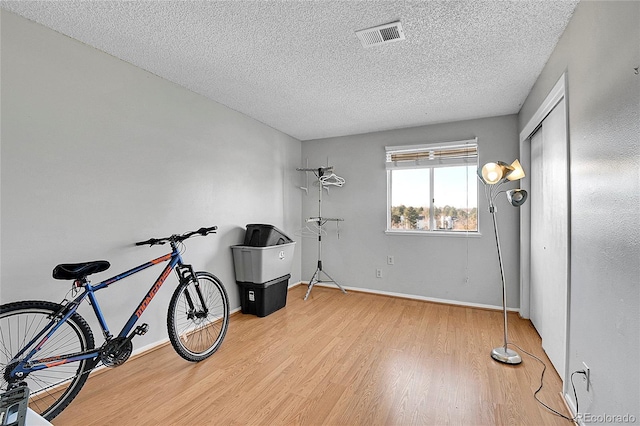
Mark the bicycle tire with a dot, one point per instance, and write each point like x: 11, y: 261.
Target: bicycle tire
x: 197, y: 336
x: 51, y: 389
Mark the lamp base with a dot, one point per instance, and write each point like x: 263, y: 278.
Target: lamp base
x: 506, y: 356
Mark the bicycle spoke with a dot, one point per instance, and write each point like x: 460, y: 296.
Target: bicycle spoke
x: 51, y: 388
x: 196, y: 331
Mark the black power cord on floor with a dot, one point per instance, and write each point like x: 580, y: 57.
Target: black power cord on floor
x: 535, y: 394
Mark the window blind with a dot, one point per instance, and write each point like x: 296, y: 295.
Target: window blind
x: 432, y: 155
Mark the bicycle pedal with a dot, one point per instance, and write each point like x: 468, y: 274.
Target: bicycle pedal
x: 142, y: 329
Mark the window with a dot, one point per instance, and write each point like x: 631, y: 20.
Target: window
x: 432, y: 188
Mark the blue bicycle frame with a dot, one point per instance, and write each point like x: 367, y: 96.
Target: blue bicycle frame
x: 27, y: 365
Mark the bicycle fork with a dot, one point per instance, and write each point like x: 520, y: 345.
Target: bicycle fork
x: 186, y: 275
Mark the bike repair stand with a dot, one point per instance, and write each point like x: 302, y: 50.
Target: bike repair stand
x: 320, y: 222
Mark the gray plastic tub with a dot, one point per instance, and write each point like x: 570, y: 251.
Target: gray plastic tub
x: 262, y: 264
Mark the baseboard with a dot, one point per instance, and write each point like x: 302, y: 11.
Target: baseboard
x: 157, y: 345
x: 572, y: 409
x: 412, y: 297
x: 147, y: 349
x: 296, y: 284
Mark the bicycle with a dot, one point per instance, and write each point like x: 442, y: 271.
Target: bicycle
x: 50, y: 348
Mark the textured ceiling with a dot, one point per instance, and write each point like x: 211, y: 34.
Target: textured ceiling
x: 299, y: 67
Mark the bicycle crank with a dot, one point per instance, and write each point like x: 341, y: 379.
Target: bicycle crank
x: 116, y: 351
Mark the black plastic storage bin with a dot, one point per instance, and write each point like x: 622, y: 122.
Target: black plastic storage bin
x: 263, y: 299
x: 259, y: 235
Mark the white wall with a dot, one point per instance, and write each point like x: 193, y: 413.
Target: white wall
x: 97, y: 154
x: 426, y: 266
x: 599, y: 51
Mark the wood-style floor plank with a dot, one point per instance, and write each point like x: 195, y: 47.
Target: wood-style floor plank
x: 335, y: 359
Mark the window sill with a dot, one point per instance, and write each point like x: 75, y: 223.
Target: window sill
x: 473, y: 234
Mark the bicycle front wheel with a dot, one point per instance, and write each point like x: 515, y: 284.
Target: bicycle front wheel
x: 198, y: 317
x: 52, y: 388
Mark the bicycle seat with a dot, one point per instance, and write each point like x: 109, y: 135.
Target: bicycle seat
x: 76, y: 271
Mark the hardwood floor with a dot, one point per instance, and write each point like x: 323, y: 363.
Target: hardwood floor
x: 336, y: 359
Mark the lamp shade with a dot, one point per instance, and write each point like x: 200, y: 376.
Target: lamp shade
x: 493, y: 173
x: 517, y: 172
x: 517, y: 197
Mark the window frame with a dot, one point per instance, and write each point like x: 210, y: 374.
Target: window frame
x: 440, y: 156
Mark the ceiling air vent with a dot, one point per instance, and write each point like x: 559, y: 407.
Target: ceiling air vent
x: 381, y: 34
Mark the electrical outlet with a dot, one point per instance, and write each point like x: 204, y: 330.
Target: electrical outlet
x: 587, y: 375
x: 390, y: 260
x: 378, y: 273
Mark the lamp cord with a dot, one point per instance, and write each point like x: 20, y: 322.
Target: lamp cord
x: 535, y: 394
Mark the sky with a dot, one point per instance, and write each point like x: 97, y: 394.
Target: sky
x: 411, y: 187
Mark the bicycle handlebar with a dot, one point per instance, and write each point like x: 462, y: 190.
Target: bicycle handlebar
x: 177, y: 238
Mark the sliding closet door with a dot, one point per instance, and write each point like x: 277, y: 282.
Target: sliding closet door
x: 549, y: 235
x: 536, y: 292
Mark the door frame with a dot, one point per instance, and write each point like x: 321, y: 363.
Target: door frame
x: 556, y: 94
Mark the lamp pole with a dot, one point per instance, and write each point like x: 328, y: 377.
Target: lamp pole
x: 503, y: 353
x: 493, y: 175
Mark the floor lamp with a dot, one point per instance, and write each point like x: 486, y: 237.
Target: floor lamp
x: 493, y: 176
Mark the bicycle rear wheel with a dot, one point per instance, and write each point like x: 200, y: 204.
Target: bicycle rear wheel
x: 53, y: 388
x: 198, y: 317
